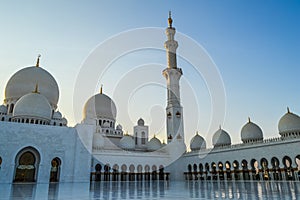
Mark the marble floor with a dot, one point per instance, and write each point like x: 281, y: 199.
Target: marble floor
x: 153, y: 190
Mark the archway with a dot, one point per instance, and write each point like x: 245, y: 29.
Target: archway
x: 27, y: 162
x: 139, y: 176
x: 207, y: 172
x: 131, y: 173
x: 264, y: 168
x: 228, y: 170
x: 98, y: 168
x: 287, y: 162
x: 123, y: 172
x: 161, y: 173
x: 221, y: 171
x: 255, y: 169
x: 55, y: 170
x: 236, y: 171
x: 214, y: 171
x: 195, y: 172
x: 189, y: 177
x: 107, y: 172
x: 276, y: 168
x: 154, y: 172
x: 201, y: 171
x: 245, y: 170
x: 115, y: 172
x: 147, y: 172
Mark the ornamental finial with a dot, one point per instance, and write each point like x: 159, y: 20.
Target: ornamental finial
x: 101, y: 88
x: 288, y: 110
x: 170, y: 21
x: 249, y: 120
x: 38, y: 61
x: 36, y: 89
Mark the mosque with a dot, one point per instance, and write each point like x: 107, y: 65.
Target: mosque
x: 37, y: 145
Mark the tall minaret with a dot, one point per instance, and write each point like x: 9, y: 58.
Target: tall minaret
x: 172, y: 74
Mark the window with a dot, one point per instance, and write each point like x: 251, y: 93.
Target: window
x: 143, y: 138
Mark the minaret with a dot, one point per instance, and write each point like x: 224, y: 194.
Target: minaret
x: 172, y: 74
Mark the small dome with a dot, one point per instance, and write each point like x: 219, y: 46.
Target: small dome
x: 119, y: 127
x: 57, y: 115
x: 3, y: 109
x: 141, y: 122
x: 197, y: 143
x: 106, y: 125
x: 221, y: 138
x: 127, y: 142
x: 33, y: 105
x: 100, y: 106
x: 22, y: 82
x: 154, y: 144
x: 289, y: 122
x: 64, y: 121
x: 251, y: 132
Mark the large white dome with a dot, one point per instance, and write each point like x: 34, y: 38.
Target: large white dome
x: 33, y: 105
x: 3, y: 109
x: 22, y: 82
x: 154, y: 144
x: 197, y: 143
x: 289, y: 122
x: 251, y: 132
x: 127, y: 142
x: 221, y: 138
x: 100, y: 106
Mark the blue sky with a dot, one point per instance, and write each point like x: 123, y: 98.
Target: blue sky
x: 255, y: 45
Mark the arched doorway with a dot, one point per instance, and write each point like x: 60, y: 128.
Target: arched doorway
x: 276, y: 168
x: 236, y: 171
x: 228, y: 170
x: 287, y: 162
x: 221, y: 171
x: 55, y: 170
x: 207, y: 171
x: 201, y: 171
x: 245, y: 170
x: 255, y: 169
x: 264, y: 168
x: 27, y: 162
x: 98, y: 168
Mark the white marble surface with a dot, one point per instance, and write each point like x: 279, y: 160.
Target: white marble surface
x: 153, y: 190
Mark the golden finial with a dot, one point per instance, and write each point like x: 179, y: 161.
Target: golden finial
x: 101, y: 88
x: 220, y: 127
x: 38, y: 61
x: 288, y: 110
x: 154, y: 136
x: 170, y: 21
x: 249, y: 120
x: 36, y: 89
x: 197, y: 133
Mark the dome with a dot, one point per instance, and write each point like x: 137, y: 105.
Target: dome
x: 106, y: 125
x: 33, y: 105
x: 64, y: 121
x: 251, y: 132
x: 221, y: 138
x: 289, y: 122
x: 197, y: 143
x: 119, y: 127
x: 141, y: 122
x: 127, y: 142
x: 57, y: 115
x: 3, y: 109
x: 22, y: 82
x: 154, y: 144
x: 100, y: 106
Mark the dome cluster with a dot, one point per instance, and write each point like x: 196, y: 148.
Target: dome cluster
x: 288, y: 126
x: 31, y: 96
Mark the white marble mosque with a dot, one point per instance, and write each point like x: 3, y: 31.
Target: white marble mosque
x: 37, y: 145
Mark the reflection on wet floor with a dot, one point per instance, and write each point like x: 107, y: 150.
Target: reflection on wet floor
x: 153, y: 190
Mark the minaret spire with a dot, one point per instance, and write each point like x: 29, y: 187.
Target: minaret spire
x: 172, y: 74
x: 101, y: 89
x: 38, y: 61
x: 170, y: 21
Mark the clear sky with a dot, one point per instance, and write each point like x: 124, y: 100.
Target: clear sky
x: 255, y: 45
